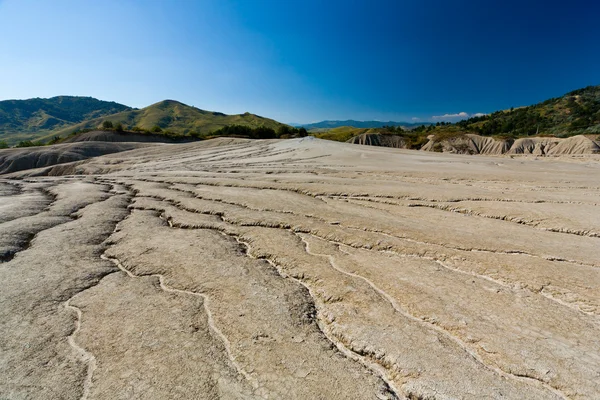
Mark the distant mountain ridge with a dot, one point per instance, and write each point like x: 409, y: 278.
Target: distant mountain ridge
x: 359, y: 124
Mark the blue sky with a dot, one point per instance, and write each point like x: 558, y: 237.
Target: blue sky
x: 303, y: 61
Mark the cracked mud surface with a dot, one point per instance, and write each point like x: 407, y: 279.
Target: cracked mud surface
x: 301, y: 269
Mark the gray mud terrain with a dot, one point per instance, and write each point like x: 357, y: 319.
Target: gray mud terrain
x: 301, y: 269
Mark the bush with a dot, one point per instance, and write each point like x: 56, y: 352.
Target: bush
x: 156, y: 129
x: 26, y: 143
x: 262, y: 132
x: 3, y: 144
x: 119, y: 127
x: 54, y: 140
x: 284, y: 131
x: 107, y: 125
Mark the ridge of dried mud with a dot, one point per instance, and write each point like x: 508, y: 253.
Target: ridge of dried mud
x: 301, y: 269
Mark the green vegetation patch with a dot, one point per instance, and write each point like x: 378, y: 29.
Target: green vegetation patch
x: 577, y: 112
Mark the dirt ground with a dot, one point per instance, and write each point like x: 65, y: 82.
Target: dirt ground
x: 301, y: 269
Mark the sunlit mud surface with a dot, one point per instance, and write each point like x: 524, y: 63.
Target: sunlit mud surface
x: 301, y: 269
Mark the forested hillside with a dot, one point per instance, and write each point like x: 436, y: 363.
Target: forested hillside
x: 574, y: 113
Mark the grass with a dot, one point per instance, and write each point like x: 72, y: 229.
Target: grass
x: 341, y: 134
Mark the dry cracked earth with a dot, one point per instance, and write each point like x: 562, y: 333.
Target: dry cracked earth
x: 301, y: 269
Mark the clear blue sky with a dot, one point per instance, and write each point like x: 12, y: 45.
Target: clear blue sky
x: 303, y: 61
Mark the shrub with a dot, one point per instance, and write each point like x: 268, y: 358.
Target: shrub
x: 284, y: 131
x: 156, y: 129
x: 107, y: 125
x: 119, y: 127
x: 3, y: 144
x: 26, y: 143
x: 262, y: 132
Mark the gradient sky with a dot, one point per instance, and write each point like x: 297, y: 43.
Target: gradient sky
x: 302, y: 61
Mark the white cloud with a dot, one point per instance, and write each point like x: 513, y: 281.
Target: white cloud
x: 456, y: 117
x: 415, y: 119
x: 451, y: 116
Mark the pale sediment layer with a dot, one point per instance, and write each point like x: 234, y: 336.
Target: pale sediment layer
x: 301, y: 269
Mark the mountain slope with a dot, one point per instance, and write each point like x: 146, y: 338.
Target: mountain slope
x: 32, y: 118
x: 574, y: 113
x: 176, y: 117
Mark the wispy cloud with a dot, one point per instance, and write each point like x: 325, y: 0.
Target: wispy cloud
x: 455, y: 117
x: 415, y: 119
x: 451, y: 116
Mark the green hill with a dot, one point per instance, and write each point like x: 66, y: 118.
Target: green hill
x: 33, y: 118
x: 175, y: 117
x: 577, y: 112
x: 43, y: 119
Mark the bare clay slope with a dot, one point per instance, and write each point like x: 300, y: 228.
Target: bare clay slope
x: 20, y: 159
x: 539, y: 146
x: 302, y: 269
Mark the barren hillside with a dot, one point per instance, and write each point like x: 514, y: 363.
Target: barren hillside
x: 301, y: 269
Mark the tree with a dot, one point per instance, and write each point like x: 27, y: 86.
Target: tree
x: 262, y: 132
x: 156, y: 129
x: 302, y: 132
x: 3, y: 144
x: 107, y: 125
x: 54, y: 140
x: 119, y: 127
x: 284, y: 130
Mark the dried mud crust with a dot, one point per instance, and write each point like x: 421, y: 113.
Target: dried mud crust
x: 302, y: 269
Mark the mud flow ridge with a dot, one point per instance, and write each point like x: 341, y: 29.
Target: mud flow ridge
x: 377, y: 370
x: 239, y: 269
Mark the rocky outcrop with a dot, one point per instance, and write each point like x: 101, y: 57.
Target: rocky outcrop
x: 380, y: 139
x: 468, y: 144
x: 539, y: 146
